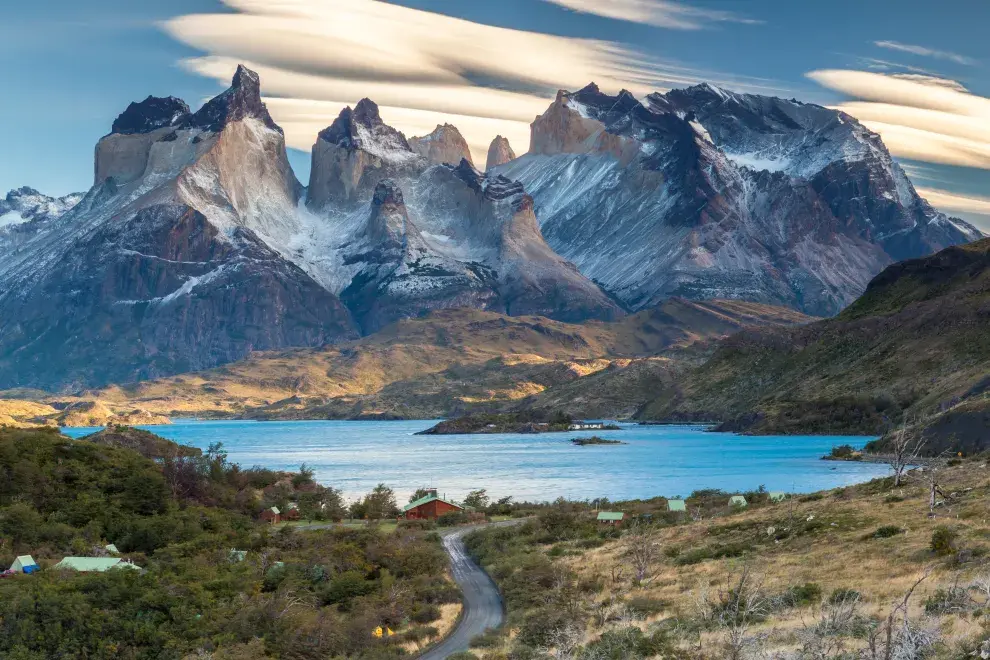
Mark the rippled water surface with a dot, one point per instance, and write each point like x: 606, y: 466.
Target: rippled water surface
x: 657, y: 460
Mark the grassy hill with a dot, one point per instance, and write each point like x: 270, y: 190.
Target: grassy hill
x: 822, y: 576
x: 915, y: 346
x: 449, y: 362
x: 177, y: 513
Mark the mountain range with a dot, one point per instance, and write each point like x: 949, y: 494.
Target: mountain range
x: 197, y: 245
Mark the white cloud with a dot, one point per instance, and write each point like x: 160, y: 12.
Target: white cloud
x: 316, y: 56
x: 925, y: 52
x: 659, y: 13
x: 972, y: 208
x: 919, y: 117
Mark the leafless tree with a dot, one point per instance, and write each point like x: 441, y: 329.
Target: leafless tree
x: 827, y: 636
x: 933, y: 473
x: 906, y: 445
x: 644, y: 551
x: 897, y: 637
x: 734, y: 609
x: 564, y: 642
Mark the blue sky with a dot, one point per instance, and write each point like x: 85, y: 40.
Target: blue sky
x: 917, y: 72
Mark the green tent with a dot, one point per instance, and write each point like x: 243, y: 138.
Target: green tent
x: 24, y: 564
x: 738, y: 500
x: 93, y: 564
x: 676, y: 505
x: 778, y: 496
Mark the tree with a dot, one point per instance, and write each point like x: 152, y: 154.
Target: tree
x: 644, y: 551
x: 905, y: 447
x: 380, y: 503
x: 477, y: 500
x: 304, y: 477
x: 419, y: 494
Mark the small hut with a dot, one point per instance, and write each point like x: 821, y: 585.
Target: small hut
x: 777, y: 496
x: 291, y: 512
x: 738, y: 500
x: 613, y: 518
x: 272, y: 515
x: 24, y: 564
x: 676, y: 506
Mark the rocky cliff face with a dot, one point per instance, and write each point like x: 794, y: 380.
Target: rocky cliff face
x: 444, y: 146
x: 499, y: 153
x: 195, y: 245
x: 171, y: 261
x: 704, y: 193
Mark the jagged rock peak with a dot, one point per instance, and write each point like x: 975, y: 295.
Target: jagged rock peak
x: 150, y: 115
x: 388, y: 192
x: 494, y: 187
x: 599, y: 105
x: 241, y: 101
x: 500, y: 152
x: 444, y: 145
x: 362, y: 128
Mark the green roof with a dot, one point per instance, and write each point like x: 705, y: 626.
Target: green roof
x: 676, y: 505
x: 22, y: 562
x: 275, y: 510
x: 737, y: 500
x: 426, y: 500
x: 112, y: 549
x: 610, y: 516
x: 237, y: 555
x: 93, y: 564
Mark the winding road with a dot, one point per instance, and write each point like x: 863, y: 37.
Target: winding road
x: 483, y: 607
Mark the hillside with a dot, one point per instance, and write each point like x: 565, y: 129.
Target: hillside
x: 813, y: 577
x: 446, y: 362
x: 177, y: 515
x: 915, y: 346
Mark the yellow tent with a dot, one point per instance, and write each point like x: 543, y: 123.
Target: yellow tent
x: 377, y: 632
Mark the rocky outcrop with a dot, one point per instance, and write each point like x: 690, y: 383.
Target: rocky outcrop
x: 354, y: 154
x: 703, y: 193
x: 174, y: 260
x: 445, y: 145
x: 499, y: 153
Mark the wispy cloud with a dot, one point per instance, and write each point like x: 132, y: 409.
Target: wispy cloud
x: 953, y: 202
x: 424, y: 68
x: 659, y: 13
x: 921, y: 118
x: 925, y: 52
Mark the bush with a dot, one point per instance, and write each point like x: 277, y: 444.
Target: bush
x: 802, y: 595
x: 943, y: 541
x: 843, y: 595
x: 887, y: 531
x: 490, y: 639
x: 462, y: 655
x: 948, y: 601
x: 643, y: 607
x: 452, y: 519
x: 540, y: 625
x: 424, y: 613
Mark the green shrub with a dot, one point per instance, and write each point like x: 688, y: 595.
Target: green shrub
x: 843, y: 595
x: 948, y: 601
x: 643, y: 607
x: 452, y: 519
x: 424, y: 613
x: 490, y: 639
x: 887, y: 531
x: 943, y: 541
x: 802, y: 595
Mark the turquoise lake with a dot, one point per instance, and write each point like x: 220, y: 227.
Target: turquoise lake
x: 656, y: 461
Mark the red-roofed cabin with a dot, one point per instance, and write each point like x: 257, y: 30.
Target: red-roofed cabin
x: 429, y: 507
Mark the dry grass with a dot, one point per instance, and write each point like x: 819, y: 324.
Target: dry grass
x: 841, y: 554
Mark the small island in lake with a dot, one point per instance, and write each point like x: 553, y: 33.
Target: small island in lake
x: 531, y: 421
x: 595, y: 440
